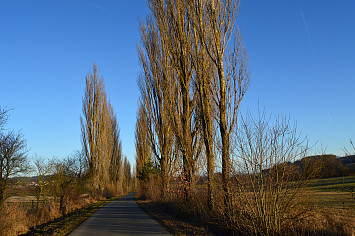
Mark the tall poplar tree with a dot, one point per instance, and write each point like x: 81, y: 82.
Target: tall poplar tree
x: 100, y: 135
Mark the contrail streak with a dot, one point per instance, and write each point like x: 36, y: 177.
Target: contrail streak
x: 330, y: 118
x: 306, y: 26
x: 100, y: 8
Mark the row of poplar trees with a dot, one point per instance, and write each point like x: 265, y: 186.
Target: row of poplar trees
x: 101, y: 140
x: 194, y: 75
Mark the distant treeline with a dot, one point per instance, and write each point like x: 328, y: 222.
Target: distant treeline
x: 330, y: 165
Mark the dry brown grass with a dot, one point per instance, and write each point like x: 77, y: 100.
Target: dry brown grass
x: 330, y: 213
x: 16, y: 219
x: 13, y: 220
x: 333, y: 212
x: 325, y: 222
x: 20, y: 213
x: 334, y: 200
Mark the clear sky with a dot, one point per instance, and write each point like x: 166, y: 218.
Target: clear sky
x: 302, y: 57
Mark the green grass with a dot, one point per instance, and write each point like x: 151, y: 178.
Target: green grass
x: 337, y: 188
x: 333, y: 200
x: 336, y: 194
x: 337, y: 184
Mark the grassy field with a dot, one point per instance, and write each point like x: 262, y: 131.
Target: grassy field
x: 336, y: 196
x: 28, y: 201
x: 337, y: 184
x: 334, y: 200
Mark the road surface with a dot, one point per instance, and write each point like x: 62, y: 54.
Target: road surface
x: 120, y: 217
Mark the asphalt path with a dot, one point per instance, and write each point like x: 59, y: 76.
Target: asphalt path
x: 120, y: 217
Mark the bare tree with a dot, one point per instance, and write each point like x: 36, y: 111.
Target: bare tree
x: 205, y: 74
x: 90, y: 122
x: 13, y: 159
x: 63, y: 177
x: 176, y: 34
x: 41, y: 169
x: 346, y: 151
x: 155, y: 85
x: 116, y: 155
x: 127, y: 175
x: 105, y: 145
x: 100, y: 134
x: 143, y: 150
x: 216, y: 24
x: 80, y: 167
x: 190, y: 41
x: 3, y: 117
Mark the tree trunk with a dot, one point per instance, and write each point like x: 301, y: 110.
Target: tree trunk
x: 164, y: 178
x: 61, y: 205
x: 187, y: 140
x: 2, y: 198
x: 224, y: 135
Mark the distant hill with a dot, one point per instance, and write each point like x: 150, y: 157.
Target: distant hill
x: 348, y: 162
x: 23, y: 180
x: 329, y: 165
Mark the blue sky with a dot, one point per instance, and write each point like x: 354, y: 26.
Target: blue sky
x: 302, y: 57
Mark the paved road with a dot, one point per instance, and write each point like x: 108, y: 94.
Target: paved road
x: 120, y: 217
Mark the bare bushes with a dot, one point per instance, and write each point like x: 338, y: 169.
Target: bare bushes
x: 149, y: 185
x: 268, y: 190
x: 151, y: 189
x: 195, y: 209
x: 76, y: 200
